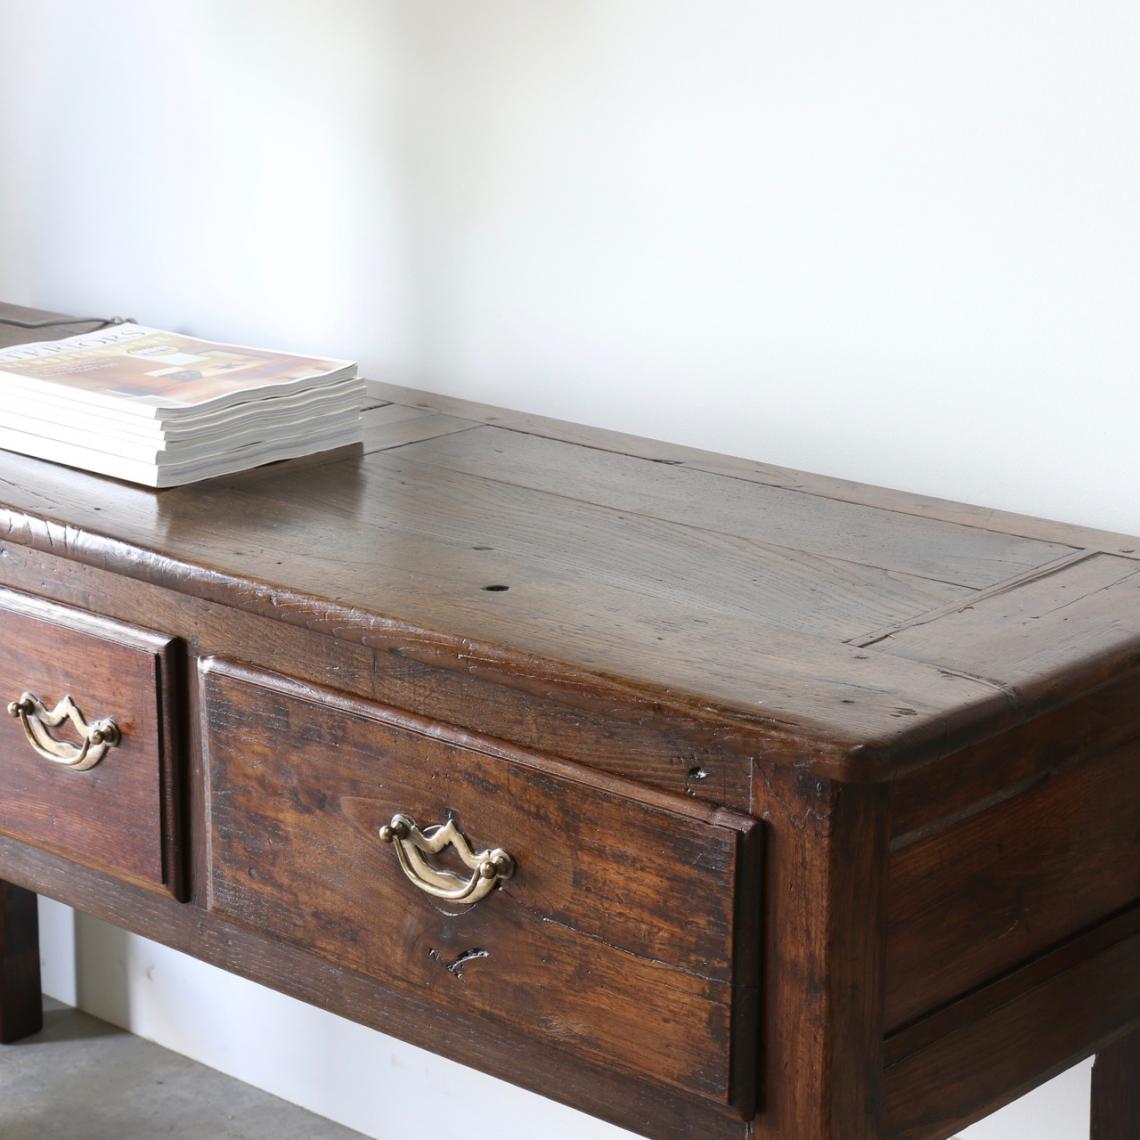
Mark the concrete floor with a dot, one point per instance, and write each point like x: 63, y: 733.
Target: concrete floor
x: 82, y: 1079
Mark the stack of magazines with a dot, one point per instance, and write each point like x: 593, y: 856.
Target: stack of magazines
x: 161, y: 409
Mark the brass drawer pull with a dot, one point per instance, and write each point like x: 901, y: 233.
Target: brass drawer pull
x: 38, y: 720
x: 412, y: 845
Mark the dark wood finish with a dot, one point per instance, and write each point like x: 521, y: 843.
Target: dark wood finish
x: 734, y: 467
x: 952, y: 561
x: 617, y: 730
x: 1060, y: 630
x: 1116, y: 1090
x: 945, y: 794
x: 515, y: 1055
x: 394, y: 426
x: 999, y: 1048
x: 1011, y: 882
x: 823, y: 954
x: 122, y: 814
x: 21, y: 1008
x: 697, y: 589
x: 981, y: 1002
x: 635, y: 891
x: 933, y: 708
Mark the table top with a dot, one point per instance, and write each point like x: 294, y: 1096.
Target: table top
x: 876, y: 628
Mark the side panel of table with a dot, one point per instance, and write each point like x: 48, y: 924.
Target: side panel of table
x: 1013, y: 933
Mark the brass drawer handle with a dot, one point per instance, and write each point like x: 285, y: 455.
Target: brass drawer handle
x: 38, y: 720
x: 412, y: 845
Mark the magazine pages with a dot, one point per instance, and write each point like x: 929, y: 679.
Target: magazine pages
x: 161, y: 409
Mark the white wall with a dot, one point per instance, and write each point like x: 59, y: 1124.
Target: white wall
x: 891, y: 241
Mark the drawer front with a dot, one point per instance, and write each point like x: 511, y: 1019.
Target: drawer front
x: 109, y: 804
x: 626, y: 932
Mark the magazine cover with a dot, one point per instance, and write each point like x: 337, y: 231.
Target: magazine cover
x: 151, y: 371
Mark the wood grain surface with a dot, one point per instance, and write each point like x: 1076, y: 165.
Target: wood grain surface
x: 618, y: 730
x: 754, y: 471
x: 943, y: 794
x: 795, y: 606
x: 633, y: 893
x: 1011, y: 882
x: 494, y: 1047
x: 1044, y: 1019
x: 621, y: 651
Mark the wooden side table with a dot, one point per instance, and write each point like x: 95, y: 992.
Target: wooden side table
x: 709, y: 797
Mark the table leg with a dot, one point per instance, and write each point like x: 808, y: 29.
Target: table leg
x: 21, y: 1006
x: 1116, y: 1091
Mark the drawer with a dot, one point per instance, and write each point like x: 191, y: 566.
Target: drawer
x: 109, y: 804
x: 623, y: 928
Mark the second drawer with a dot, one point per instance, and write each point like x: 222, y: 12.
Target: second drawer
x: 622, y: 928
